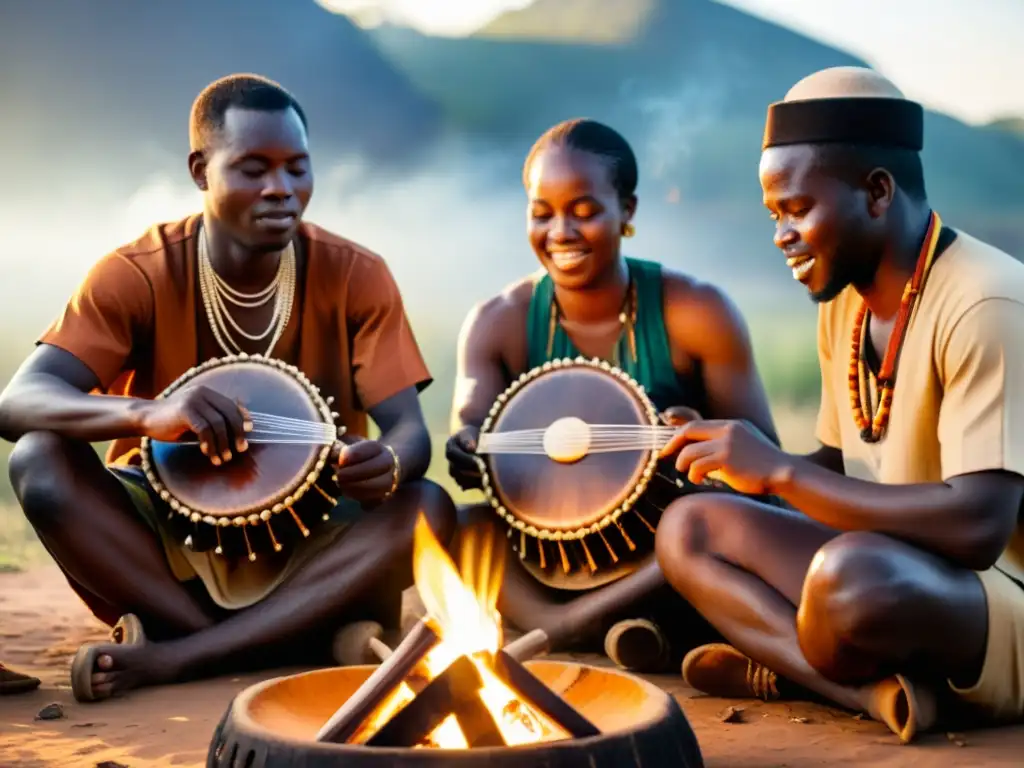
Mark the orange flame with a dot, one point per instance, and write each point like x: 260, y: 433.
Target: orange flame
x: 463, y: 609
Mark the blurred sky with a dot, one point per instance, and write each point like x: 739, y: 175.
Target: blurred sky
x: 976, y: 74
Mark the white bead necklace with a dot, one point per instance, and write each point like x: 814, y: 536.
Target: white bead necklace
x: 216, y: 292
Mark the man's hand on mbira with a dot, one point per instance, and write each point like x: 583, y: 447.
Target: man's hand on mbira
x: 218, y: 422
x: 365, y: 470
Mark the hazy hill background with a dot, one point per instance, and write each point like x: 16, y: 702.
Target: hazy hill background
x: 419, y: 143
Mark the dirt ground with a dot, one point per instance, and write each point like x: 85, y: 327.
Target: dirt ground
x: 42, y: 623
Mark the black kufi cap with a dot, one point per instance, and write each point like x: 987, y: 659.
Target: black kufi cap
x: 885, y: 122
x: 848, y: 105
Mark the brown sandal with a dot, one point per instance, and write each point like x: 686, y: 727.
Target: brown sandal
x: 128, y: 631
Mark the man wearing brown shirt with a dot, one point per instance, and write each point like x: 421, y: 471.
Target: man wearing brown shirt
x: 898, y: 588
x: 245, y: 275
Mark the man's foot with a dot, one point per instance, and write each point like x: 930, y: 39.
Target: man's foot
x: 637, y: 645
x: 12, y: 682
x: 720, y: 670
x: 101, y: 671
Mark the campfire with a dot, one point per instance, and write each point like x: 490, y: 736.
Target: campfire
x: 450, y: 684
x: 451, y: 694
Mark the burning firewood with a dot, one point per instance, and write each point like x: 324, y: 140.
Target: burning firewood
x: 453, y: 692
x: 451, y: 695
x: 471, y: 687
x: 389, y: 675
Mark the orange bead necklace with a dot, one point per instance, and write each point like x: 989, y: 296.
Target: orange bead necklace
x: 872, y: 426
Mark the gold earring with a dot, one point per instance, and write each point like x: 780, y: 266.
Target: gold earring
x: 628, y: 230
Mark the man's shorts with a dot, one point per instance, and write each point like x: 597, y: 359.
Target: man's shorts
x: 998, y: 694
x: 231, y: 583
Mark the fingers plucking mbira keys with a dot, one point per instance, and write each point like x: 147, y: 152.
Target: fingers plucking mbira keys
x: 679, y: 416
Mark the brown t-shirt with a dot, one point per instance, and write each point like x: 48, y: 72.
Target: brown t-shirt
x: 137, y: 320
x: 958, y: 406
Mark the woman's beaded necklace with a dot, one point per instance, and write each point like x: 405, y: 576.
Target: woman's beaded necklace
x: 627, y: 321
x: 872, y: 426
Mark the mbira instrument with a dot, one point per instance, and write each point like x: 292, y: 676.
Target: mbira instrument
x: 268, y: 496
x: 570, y: 461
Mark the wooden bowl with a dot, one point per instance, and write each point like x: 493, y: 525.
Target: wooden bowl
x: 273, y: 724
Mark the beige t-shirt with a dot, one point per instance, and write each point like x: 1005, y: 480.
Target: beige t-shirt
x: 958, y: 406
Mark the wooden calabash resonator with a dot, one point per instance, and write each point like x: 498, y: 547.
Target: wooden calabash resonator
x: 267, y: 496
x: 570, y: 461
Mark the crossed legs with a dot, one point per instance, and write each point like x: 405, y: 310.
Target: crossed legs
x: 85, y: 519
x: 581, y: 619
x: 835, y: 613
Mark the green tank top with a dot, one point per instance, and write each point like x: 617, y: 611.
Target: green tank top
x: 652, y: 368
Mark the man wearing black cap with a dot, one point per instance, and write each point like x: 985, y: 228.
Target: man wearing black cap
x: 897, y: 588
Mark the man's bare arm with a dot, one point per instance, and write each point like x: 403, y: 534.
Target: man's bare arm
x: 828, y: 458
x: 402, y: 426
x: 968, y: 520
x: 50, y: 392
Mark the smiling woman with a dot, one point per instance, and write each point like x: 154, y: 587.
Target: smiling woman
x: 452, y: 18
x: 681, y: 340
